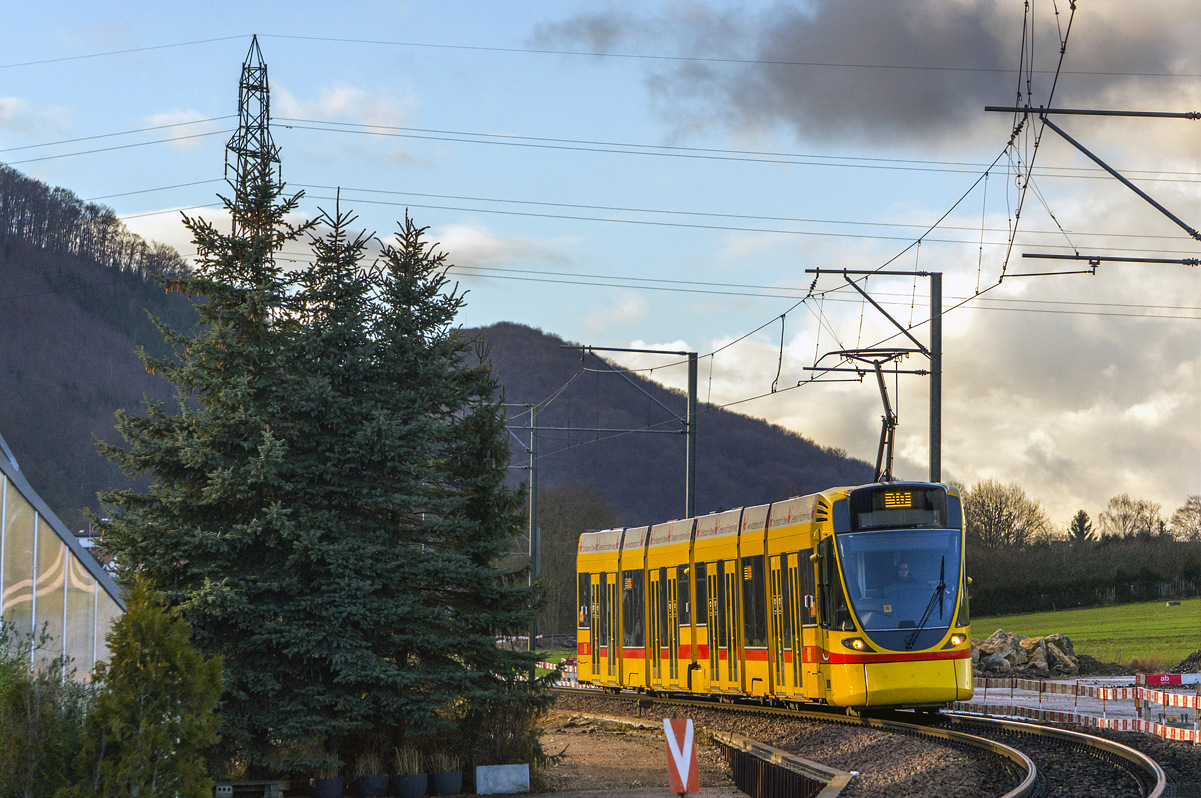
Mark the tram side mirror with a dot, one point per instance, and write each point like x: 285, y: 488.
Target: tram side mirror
x: 814, y: 557
x: 969, y: 580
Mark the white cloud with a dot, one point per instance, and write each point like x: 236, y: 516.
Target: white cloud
x: 1076, y: 402
x: 344, y: 102
x: 20, y: 116
x: 626, y: 308
x: 184, y: 127
x: 470, y: 245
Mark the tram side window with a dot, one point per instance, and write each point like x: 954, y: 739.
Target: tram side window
x: 602, y: 612
x: 754, y: 609
x: 786, y: 601
x: 721, y: 601
x: 808, y: 594
x: 664, y: 610
x: 583, y: 601
x: 702, y: 595
x: 683, y: 594
x: 632, y: 605
x: 964, y: 614
x: 835, y: 613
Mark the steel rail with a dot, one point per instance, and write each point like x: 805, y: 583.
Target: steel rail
x: 1152, y: 775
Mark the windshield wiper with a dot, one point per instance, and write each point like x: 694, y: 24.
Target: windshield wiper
x: 936, y: 598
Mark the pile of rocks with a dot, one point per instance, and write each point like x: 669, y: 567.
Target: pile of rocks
x: 1006, y: 654
x: 1190, y: 664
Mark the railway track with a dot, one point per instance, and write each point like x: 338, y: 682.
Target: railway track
x: 995, y: 757
x: 1071, y: 763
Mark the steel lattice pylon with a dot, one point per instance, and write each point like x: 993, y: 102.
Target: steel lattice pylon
x: 251, y: 144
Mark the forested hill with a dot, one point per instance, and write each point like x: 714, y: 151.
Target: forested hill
x: 74, y: 296
x: 69, y: 327
x: 740, y: 460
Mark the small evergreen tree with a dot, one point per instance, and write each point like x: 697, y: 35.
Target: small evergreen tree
x: 155, y: 712
x: 1080, y: 530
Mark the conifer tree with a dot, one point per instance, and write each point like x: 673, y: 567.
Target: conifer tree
x: 154, y: 713
x: 328, y: 496
x: 1080, y: 529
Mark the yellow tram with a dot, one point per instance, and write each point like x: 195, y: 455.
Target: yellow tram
x: 852, y: 597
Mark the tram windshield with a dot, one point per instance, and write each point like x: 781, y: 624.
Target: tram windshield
x: 903, y: 584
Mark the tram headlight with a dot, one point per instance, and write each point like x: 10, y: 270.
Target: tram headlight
x: 957, y: 640
x: 856, y: 644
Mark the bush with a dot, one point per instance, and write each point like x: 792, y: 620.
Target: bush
x: 155, y: 713
x: 41, y: 716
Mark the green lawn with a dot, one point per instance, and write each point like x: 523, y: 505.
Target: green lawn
x: 1151, y: 635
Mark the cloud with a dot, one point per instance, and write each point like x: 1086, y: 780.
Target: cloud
x: 344, y: 102
x: 184, y: 127
x: 1076, y: 399
x: 625, y: 308
x: 19, y: 116
x: 470, y: 246
x: 917, y: 73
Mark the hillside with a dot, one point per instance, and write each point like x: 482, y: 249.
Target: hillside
x: 740, y: 460
x: 74, y: 298
x: 69, y: 328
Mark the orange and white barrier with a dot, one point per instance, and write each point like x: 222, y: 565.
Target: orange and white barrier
x: 1164, y: 730
x: 1074, y: 689
x: 1143, y: 698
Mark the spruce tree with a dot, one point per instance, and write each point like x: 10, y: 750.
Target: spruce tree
x: 328, y: 495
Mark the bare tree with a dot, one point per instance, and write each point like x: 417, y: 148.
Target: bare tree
x: 1002, y: 515
x: 1186, y: 521
x: 1125, y: 517
x: 564, y: 512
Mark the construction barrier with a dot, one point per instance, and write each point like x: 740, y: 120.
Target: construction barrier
x: 1167, y: 731
x: 1162, y: 679
x: 1040, y: 686
x: 1144, y: 699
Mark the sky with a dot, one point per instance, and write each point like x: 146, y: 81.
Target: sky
x: 695, y: 176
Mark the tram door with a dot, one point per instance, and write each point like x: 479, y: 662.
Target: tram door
x: 782, y: 636
x: 603, y: 619
x: 717, y: 644
x: 805, y: 621
x: 655, y: 628
x: 672, y: 631
x: 723, y: 626
x: 733, y: 621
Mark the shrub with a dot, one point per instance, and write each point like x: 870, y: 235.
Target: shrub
x: 41, y: 716
x: 155, y: 713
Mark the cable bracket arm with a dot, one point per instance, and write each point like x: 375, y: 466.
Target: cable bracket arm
x: 1114, y: 173
x: 921, y: 347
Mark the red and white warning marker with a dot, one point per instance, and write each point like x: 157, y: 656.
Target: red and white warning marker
x: 682, y: 774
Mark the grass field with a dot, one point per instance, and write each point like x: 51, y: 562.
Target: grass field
x: 1150, y: 636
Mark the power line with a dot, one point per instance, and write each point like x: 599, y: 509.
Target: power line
x: 689, y: 225
x: 716, y: 60
x: 120, y: 133
x: 171, y: 140
x: 700, y: 153
x: 706, y: 214
x: 108, y: 53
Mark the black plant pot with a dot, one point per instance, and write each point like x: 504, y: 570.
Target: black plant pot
x: 411, y: 785
x: 371, y: 786
x: 326, y: 788
x: 446, y: 783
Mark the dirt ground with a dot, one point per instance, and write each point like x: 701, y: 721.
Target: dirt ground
x: 600, y: 757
